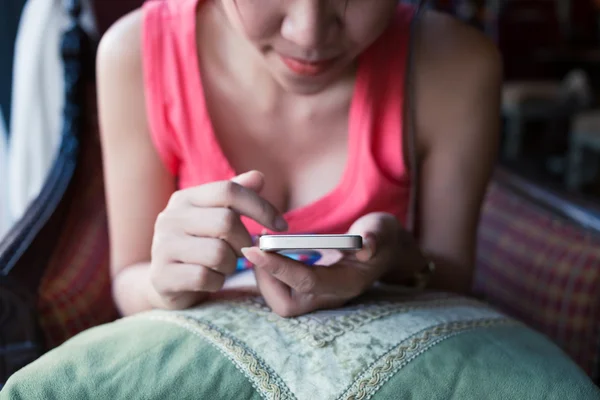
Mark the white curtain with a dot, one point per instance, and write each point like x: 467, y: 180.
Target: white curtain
x: 5, y: 221
x: 38, y: 98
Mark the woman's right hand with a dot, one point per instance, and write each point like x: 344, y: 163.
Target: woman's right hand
x: 198, y: 237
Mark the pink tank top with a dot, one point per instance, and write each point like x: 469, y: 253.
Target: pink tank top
x: 375, y: 177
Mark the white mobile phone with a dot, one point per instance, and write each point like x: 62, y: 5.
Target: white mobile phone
x: 310, y: 242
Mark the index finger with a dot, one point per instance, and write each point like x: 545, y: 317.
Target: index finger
x: 240, y: 199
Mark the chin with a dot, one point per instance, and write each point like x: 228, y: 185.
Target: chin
x: 308, y: 85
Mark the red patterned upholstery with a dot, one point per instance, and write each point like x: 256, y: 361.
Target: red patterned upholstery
x: 75, y: 291
x: 542, y: 270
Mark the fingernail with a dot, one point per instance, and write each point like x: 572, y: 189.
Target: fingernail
x: 281, y: 224
x: 249, y: 254
x: 368, y: 247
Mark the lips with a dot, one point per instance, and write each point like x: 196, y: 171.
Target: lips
x: 307, y: 68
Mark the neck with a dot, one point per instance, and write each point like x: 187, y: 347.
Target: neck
x: 245, y: 69
x: 239, y: 61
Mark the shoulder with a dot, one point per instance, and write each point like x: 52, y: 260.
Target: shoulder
x: 128, y: 94
x: 120, y: 79
x: 458, y: 69
x: 444, y: 44
x: 120, y: 49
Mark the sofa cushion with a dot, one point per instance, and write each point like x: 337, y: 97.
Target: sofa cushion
x: 386, y: 345
x: 543, y: 270
x: 75, y: 290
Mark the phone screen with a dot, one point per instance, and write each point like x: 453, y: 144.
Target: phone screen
x: 308, y: 257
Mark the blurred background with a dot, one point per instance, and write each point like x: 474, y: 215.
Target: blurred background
x: 551, y: 127
x: 551, y: 116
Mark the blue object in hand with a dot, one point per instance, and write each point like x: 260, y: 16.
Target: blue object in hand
x: 308, y: 257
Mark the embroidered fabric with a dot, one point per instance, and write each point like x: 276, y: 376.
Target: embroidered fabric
x: 347, y: 353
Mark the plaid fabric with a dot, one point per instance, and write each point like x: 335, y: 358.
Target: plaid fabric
x: 75, y: 292
x: 542, y: 270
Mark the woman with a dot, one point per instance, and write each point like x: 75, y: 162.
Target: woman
x: 222, y: 119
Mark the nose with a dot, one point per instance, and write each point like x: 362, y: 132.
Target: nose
x: 310, y: 24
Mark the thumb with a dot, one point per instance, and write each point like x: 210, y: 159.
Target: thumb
x: 373, y: 228
x: 253, y: 180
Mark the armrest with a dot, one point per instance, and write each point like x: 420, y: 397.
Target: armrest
x: 538, y: 260
x: 25, y: 249
x: 568, y: 206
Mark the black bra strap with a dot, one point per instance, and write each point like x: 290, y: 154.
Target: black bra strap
x: 410, y: 121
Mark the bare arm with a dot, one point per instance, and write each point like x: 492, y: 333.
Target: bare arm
x: 138, y: 186
x: 458, y: 86
x: 170, y: 248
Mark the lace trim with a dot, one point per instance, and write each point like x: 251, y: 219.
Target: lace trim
x: 319, y: 332
x: 263, y: 379
x: 371, y: 380
x: 270, y: 386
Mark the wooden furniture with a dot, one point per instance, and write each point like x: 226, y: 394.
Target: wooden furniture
x: 584, y: 150
x: 524, y: 102
x: 524, y: 27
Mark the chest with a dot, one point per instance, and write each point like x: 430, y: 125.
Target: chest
x: 303, y: 154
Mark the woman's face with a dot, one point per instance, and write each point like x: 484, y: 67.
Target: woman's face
x: 307, y: 44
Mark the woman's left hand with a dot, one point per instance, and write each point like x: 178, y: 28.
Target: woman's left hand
x: 291, y: 288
